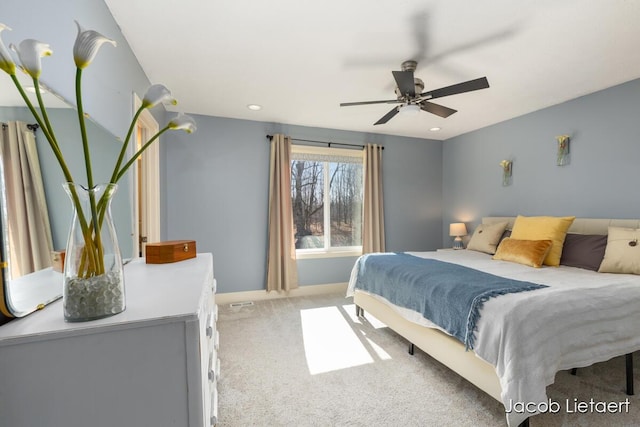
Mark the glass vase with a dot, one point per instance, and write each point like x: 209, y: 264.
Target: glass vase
x: 93, y: 271
x: 562, y: 157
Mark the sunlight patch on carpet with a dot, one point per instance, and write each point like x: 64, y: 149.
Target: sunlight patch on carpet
x: 330, y: 342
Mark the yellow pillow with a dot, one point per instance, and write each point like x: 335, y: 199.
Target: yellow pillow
x: 622, y: 254
x: 543, y: 228
x: 526, y: 252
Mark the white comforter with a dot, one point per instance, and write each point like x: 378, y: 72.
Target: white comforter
x: 583, y: 317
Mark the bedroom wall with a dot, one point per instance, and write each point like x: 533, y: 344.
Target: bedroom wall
x: 217, y: 182
x: 601, y: 180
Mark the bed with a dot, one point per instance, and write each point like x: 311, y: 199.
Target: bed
x: 522, y: 339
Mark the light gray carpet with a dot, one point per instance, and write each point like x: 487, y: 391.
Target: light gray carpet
x: 286, y: 362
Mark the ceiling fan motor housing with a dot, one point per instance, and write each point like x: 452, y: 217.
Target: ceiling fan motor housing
x: 419, y: 88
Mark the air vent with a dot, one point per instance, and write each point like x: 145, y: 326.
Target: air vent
x: 241, y: 304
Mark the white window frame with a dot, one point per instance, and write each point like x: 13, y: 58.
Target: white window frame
x: 328, y: 251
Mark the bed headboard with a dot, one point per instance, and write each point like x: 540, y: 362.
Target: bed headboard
x: 579, y: 226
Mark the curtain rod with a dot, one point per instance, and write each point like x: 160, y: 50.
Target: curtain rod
x: 32, y: 127
x: 329, y: 143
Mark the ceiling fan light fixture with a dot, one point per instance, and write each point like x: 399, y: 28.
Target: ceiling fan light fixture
x: 410, y: 109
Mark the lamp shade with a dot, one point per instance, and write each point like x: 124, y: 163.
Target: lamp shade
x: 457, y: 229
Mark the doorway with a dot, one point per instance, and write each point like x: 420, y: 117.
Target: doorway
x: 146, y: 183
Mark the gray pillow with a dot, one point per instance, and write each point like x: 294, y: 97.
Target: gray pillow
x: 583, y: 250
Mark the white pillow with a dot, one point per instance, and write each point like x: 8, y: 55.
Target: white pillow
x: 486, y: 237
x: 622, y: 254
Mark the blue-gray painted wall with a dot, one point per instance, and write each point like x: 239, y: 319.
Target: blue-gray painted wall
x: 601, y: 180
x: 216, y: 185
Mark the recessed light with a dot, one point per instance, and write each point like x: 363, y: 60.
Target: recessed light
x: 32, y: 89
x: 436, y: 129
x: 254, y: 107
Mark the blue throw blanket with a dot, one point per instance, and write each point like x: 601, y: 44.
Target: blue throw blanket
x: 449, y: 295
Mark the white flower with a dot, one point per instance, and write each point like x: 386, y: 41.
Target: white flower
x: 86, y: 46
x: 6, y: 62
x: 30, y: 52
x: 182, y: 122
x: 157, y: 94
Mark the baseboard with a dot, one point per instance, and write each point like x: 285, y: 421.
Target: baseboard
x: 231, y: 297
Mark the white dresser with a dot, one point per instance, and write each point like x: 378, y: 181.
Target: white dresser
x: 155, y: 364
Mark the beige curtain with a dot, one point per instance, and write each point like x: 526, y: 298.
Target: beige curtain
x: 27, y: 216
x: 282, y: 271
x: 373, y: 221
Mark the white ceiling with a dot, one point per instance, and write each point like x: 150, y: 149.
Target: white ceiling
x: 299, y: 59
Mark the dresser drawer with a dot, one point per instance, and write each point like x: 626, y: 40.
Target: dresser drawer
x: 211, y: 323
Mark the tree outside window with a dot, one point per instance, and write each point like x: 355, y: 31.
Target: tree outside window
x: 326, y: 195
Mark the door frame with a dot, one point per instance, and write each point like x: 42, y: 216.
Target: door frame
x: 145, y: 183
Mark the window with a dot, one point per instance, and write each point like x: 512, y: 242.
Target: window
x: 326, y: 196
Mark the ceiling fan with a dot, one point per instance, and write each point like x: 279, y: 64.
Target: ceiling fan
x: 411, y: 98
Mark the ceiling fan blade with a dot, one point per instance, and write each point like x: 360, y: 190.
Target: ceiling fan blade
x: 384, y: 119
x: 471, y: 85
x: 405, y: 82
x: 388, y: 101
x: 438, y: 110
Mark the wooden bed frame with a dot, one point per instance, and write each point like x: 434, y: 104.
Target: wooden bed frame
x: 451, y: 352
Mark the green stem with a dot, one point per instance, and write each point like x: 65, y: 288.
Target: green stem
x: 123, y: 150
x: 83, y: 130
x: 87, y: 162
x: 117, y: 174
x: 48, y: 133
x: 138, y: 153
x: 45, y: 116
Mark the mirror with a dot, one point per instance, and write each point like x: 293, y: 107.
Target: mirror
x: 28, y: 286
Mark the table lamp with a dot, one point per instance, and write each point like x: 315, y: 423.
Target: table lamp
x: 457, y: 230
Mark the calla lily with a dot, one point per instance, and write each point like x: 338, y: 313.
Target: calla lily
x: 30, y: 52
x: 157, y: 94
x: 86, y: 46
x: 182, y: 122
x: 6, y: 62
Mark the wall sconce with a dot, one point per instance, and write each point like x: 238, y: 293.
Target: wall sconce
x: 457, y: 230
x: 563, y: 150
x: 507, y: 172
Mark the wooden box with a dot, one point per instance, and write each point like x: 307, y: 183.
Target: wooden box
x: 170, y: 251
x: 57, y: 260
